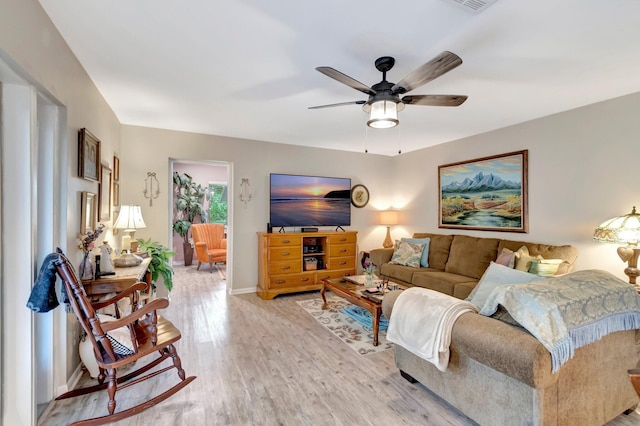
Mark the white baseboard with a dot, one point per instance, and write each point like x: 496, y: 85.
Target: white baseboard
x: 71, y: 383
x: 242, y: 291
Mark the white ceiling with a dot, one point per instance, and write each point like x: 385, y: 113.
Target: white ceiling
x: 246, y: 68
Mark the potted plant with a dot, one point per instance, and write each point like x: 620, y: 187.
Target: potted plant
x: 160, y: 266
x: 189, y: 197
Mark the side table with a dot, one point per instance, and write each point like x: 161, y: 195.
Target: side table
x: 123, y: 279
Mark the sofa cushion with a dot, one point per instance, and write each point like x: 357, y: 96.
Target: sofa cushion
x: 439, y: 246
x: 496, y: 276
x: 397, y: 272
x: 524, y: 259
x: 566, y: 252
x: 407, y: 254
x: 470, y: 256
x: 441, y: 281
x: 463, y: 290
x: 424, y: 259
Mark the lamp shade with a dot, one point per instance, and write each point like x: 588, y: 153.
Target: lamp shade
x: 383, y: 115
x: 388, y: 218
x: 130, y: 218
x: 620, y: 230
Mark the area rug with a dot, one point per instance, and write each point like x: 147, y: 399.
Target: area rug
x: 357, y: 336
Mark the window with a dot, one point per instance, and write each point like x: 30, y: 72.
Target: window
x: 217, y: 197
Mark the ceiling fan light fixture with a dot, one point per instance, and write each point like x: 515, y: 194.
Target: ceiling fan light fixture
x: 383, y: 115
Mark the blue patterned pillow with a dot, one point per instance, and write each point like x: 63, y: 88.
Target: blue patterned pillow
x: 424, y: 259
x: 407, y: 254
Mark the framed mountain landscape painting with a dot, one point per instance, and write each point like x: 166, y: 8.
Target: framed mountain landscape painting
x: 487, y: 194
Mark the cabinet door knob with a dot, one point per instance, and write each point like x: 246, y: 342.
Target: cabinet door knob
x: 285, y: 253
x: 343, y: 251
x: 286, y: 241
x: 304, y: 280
x: 343, y: 263
x: 280, y: 281
x: 343, y: 240
x: 284, y: 268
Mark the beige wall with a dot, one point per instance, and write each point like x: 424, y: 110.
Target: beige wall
x: 582, y: 171
x: 254, y: 160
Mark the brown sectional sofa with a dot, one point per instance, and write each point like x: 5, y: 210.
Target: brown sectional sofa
x: 456, y: 262
x: 498, y: 373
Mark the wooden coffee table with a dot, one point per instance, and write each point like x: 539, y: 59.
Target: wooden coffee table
x: 354, y: 294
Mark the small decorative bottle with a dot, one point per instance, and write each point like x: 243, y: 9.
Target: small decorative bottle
x: 106, y: 262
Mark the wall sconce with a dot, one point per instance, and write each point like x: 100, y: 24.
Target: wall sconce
x: 148, y: 187
x: 388, y: 218
x: 623, y: 230
x: 245, y: 191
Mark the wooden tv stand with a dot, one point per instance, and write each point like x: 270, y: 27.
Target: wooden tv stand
x: 298, y: 261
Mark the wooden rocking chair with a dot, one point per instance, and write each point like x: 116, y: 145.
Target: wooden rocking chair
x: 150, y: 333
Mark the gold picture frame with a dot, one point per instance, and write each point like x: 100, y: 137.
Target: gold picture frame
x: 88, y: 156
x: 104, y: 199
x: 485, y: 194
x: 88, y: 207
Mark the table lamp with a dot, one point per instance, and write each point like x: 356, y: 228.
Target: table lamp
x: 623, y: 230
x: 388, y: 218
x: 129, y: 219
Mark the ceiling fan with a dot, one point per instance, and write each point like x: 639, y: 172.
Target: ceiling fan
x: 384, y: 100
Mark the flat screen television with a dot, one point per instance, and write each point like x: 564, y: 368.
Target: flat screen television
x: 297, y: 200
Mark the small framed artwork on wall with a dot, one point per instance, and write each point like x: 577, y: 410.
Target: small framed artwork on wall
x: 486, y: 194
x: 116, y: 168
x: 88, y: 206
x: 104, y: 211
x: 88, y: 156
x: 116, y: 194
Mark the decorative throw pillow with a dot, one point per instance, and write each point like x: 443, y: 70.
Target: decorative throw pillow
x: 545, y: 267
x: 424, y: 260
x: 523, y: 261
x: 496, y: 276
x: 407, y: 254
x: 120, y: 338
x: 507, y: 258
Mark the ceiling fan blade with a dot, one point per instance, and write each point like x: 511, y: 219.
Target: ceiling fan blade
x: 441, y: 64
x: 340, y: 104
x: 345, y: 79
x: 435, y: 100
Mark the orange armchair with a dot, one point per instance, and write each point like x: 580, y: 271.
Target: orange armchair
x: 210, y: 243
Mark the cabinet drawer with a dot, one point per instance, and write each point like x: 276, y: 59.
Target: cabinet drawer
x: 284, y: 240
x: 342, y: 263
x: 293, y: 280
x: 342, y: 239
x: 322, y: 275
x: 285, y: 267
x: 341, y: 250
x: 284, y: 253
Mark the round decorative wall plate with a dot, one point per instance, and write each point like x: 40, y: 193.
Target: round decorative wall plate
x: 359, y: 195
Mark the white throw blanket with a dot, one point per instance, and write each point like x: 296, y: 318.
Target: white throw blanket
x: 422, y: 320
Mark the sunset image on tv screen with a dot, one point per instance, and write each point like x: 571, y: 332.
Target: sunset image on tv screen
x: 310, y: 201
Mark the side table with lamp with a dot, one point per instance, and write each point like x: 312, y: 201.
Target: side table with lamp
x: 129, y: 219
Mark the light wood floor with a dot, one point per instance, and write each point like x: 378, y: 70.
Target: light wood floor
x: 268, y: 363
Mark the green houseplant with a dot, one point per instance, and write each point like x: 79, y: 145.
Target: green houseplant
x: 189, y: 197
x: 160, y: 265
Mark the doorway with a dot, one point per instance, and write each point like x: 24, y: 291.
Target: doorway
x: 212, y: 179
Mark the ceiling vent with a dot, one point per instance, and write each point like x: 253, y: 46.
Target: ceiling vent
x: 473, y: 6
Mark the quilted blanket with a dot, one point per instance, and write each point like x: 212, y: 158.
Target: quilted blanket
x: 421, y: 322
x: 570, y: 311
